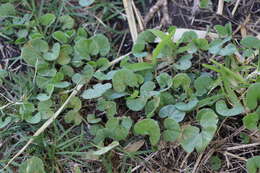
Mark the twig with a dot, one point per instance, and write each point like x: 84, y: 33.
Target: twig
x: 184, y: 160
x: 197, y: 163
x: 152, y: 11
x: 220, y: 7
x: 52, y: 118
x: 243, y: 146
x: 235, y: 8
x: 235, y: 156
x: 166, y: 17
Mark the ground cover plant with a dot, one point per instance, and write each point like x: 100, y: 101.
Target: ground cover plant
x: 89, y: 109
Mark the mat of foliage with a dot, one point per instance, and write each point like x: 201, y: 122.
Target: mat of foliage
x: 163, y: 91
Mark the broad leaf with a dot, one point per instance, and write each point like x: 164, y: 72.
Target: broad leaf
x: 47, y: 19
x: 202, y: 84
x: 192, y: 137
x: 250, y: 42
x: 172, y: 112
x: 252, y: 96
x: 51, y: 56
x: 108, y: 106
x: 148, y: 127
x: 124, y: 78
x: 67, y: 22
x: 97, y: 91
x: 32, y: 165
x: 73, y: 116
x: 136, y: 104
x: 92, y: 119
x: 60, y: 36
x: 172, y: 131
x: 186, y: 107
x: 253, y: 164
x: 164, y: 80
x: 182, y: 80
x: 7, y: 9
x: 251, y: 121
x: 184, y: 63
x: 222, y: 109
x: 102, y: 43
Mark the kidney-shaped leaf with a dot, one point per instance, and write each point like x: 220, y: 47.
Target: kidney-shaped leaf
x: 47, y: 19
x: 172, y: 112
x: 184, y: 63
x: 182, y: 80
x: 193, y: 138
x: 51, y: 56
x: 136, y: 104
x: 253, y: 164
x: 124, y: 78
x: 172, y: 131
x: 253, y: 96
x: 103, y: 44
x: 164, y: 80
x: 189, y: 138
x: 186, y: 107
x: 148, y: 127
x: 202, y: 84
x: 251, y: 121
x: 222, y: 109
x: 97, y: 91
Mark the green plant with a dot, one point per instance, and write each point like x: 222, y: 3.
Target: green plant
x: 164, y: 98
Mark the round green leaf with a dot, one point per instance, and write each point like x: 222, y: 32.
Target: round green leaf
x: 172, y: 131
x: 67, y: 22
x: 253, y: 164
x: 97, y: 91
x: 186, y: 107
x: 222, y: 109
x: 51, y: 56
x: 136, y: 104
x: 47, y: 19
x: 172, y: 112
x: 252, y: 96
x: 60, y: 36
x: 251, y: 121
x: 148, y: 127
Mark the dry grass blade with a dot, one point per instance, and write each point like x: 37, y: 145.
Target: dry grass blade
x: 197, y: 163
x: 139, y: 17
x: 220, y: 7
x: 235, y: 8
x: 243, y: 146
x: 57, y: 113
x: 235, y: 156
x: 130, y: 18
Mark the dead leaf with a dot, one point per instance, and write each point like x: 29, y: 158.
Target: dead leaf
x: 243, y: 31
x: 133, y: 147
